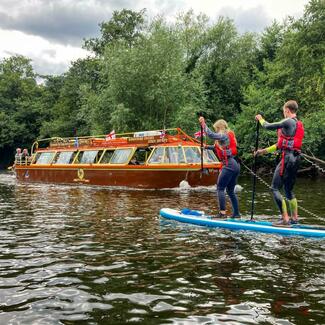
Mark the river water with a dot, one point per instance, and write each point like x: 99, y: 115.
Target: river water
x: 91, y: 255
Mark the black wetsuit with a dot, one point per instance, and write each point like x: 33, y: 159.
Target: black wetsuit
x: 291, y: 163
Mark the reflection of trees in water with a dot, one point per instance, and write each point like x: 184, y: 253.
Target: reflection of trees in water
x: 290, y: 279
x: 125, y: 221
x: 228, y: 265
x: 102, y: 209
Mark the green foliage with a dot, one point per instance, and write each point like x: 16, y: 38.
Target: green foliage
x: 225, y: 65
x: 269, y: 43
x: 124, y: 25
x: 259, y: 100
x: 20, y: 113
x: 192, y: 32
x: 66, y: 113
x: 314, y: 142
x: 294, y: 70
x: 8, y: 127
x: 147, y: 80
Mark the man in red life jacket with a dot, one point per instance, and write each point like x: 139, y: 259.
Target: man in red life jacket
x: 290, y: 136
x: 226, y: 149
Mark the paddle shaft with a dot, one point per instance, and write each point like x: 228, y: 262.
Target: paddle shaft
x: 257, y: 136
x: 201, y: 148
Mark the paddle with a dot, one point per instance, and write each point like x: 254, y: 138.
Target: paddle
x: 199, y: 114
x: 201, y: 148
x: 257, y: 135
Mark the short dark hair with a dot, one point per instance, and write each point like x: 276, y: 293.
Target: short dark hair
x: 292, y: 105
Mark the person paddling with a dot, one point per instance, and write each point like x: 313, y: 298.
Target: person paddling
x: 226, y: 149
x: 290, y: 135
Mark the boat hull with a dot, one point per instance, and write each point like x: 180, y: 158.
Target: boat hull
x: 131, y: 176
x: 232, y: 224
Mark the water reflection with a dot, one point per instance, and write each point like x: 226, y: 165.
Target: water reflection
x: 87, y: 255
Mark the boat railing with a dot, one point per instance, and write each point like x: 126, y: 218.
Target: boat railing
x: 172, y: 134
x: 23, y: 161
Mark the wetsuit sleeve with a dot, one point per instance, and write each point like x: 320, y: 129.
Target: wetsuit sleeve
x: 276, y: 125
x: 271, y: 149
x: 215, y: 136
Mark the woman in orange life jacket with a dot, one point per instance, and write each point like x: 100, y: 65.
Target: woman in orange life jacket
x: 226, y: 149
x: 290, y: 136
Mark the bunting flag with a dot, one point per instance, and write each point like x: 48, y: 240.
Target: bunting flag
x: 110, y: 135
x: 198, y: 134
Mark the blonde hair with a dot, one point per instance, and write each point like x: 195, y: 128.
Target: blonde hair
x: 221, y: 126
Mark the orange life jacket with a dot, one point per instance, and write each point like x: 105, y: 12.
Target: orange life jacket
x: 229, y: 150
x: 292, y: 143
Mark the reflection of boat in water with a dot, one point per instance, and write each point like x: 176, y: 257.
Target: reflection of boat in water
x: 151, y: 159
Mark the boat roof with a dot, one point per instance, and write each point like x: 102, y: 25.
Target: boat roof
x: 140, y: 139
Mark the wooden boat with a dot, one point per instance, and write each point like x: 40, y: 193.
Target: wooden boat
x: 151, y: 159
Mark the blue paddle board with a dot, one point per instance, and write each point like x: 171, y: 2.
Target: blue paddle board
x: 199, y: 218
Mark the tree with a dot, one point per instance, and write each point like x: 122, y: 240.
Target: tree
x: 295, y: 72
x: 147, y: 83
x: 20, y: 105
x: 19, y: 102
x: 225, y: 66
x: 66, y: 113
x: 269, y: 42
x: 192, y: 32
x: 124, y: 25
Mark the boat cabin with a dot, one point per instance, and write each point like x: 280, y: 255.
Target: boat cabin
x: 150, y: 151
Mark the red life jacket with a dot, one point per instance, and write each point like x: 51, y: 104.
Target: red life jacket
x: 293, y: 143
x: 227, y: 150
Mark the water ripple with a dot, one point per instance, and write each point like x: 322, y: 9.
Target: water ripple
x: 89, y: 255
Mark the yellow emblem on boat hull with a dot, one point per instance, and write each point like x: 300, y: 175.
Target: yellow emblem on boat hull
x: 81, y: 176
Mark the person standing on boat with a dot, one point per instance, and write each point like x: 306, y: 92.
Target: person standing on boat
x: 226, y: 149
x: 25, y: 156
x: 290, y: 135
x: 18, y: 156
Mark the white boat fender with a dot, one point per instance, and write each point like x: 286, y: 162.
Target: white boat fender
x: 184, y: 184
x: 238, y: 188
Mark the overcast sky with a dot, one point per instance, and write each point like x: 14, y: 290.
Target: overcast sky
x: 51, y: 32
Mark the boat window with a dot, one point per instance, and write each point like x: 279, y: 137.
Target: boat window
x: 193, y: 155
x: 121, y: 156
x: 157, y: 156
x: 87, y: 157
x: 139, y: 157
x: 98, y: 156
x: 209, y: 156
x: 174, y: 155
x: 65, y: 157
x: 107, y: 156
x: 45, y: 158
